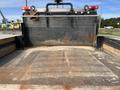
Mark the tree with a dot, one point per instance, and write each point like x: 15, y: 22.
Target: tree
x: 110, y: 22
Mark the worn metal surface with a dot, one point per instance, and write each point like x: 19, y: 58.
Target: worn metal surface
x: 111, y: 50
x: 7, y: 45
x: 115, y: 43
x: 60, y: 30
x: 58, y: 68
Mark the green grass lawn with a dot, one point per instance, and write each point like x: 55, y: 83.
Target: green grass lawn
x: 110, y: 32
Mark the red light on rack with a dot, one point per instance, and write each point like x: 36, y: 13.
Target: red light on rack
x: 26, y: 8
x: 93, y: 7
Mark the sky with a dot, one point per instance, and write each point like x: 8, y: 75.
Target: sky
x: 12, y: 8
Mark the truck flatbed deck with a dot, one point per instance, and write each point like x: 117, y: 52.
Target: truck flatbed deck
x: 72, y: 56
x: 60, y: 68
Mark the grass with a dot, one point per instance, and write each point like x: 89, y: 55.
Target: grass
x: 109, y: 32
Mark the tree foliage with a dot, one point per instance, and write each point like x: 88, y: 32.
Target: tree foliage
x: 115, y: 22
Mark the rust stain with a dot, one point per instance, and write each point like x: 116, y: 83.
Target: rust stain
x: 25, y: 87
x: 114, y: 88
x: 66, y: 39
x: 6, y: 74
x: 66, y: 87
x: 16, y: 74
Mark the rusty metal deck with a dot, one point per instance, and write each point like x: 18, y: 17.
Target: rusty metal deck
x: 57, y: 68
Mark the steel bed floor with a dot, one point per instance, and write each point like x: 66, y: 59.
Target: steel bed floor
x: 60, y: 68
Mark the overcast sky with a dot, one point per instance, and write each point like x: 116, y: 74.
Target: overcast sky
x: 12, y: 8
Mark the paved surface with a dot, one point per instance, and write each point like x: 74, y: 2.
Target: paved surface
x: 8, y: 34
x: 60, y: 68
